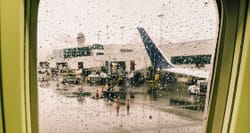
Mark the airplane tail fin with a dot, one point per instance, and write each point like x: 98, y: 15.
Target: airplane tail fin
x: 156, y: 57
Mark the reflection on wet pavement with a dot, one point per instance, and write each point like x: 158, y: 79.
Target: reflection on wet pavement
x: 75, y: 109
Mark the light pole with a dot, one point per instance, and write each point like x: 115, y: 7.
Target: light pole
x: 160, y: 16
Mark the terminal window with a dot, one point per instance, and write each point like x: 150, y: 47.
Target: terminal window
x: 125, y: 65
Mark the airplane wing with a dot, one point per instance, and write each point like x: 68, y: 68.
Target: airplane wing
x: 189, y: 72
x: 158, y: 59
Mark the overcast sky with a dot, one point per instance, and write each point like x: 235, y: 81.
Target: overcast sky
x: 115, y: 21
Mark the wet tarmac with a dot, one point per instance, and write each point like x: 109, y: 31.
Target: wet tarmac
x: 76, y: 109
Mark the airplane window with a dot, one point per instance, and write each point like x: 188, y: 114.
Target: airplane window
x: 125, y: 65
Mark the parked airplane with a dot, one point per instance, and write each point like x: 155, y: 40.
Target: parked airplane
x: 159, y: 61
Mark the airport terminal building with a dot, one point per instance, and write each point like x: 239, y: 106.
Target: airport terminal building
x: 98, y: 55
x: 187, y: 54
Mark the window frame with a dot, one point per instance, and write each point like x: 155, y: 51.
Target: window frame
x: 20, y: 100
x: 227, y: 64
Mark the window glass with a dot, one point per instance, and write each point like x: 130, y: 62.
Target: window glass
x: 125, y: 65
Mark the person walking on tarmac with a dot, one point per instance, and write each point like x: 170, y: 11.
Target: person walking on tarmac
x: 97, y: 94
x: 117, y: 105
x: 128, y: 105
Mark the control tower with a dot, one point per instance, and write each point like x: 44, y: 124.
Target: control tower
x: 80, y: 39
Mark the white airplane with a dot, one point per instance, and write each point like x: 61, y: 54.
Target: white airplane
x: 159, y: 61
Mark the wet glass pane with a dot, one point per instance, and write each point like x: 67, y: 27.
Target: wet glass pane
x: 125, y: 65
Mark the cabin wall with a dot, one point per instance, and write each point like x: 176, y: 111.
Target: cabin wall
x: 240, y: 110
x: 1, y: 95
x: 12, y: 65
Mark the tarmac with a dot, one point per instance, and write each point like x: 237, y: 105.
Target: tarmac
x: 62, y: 112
